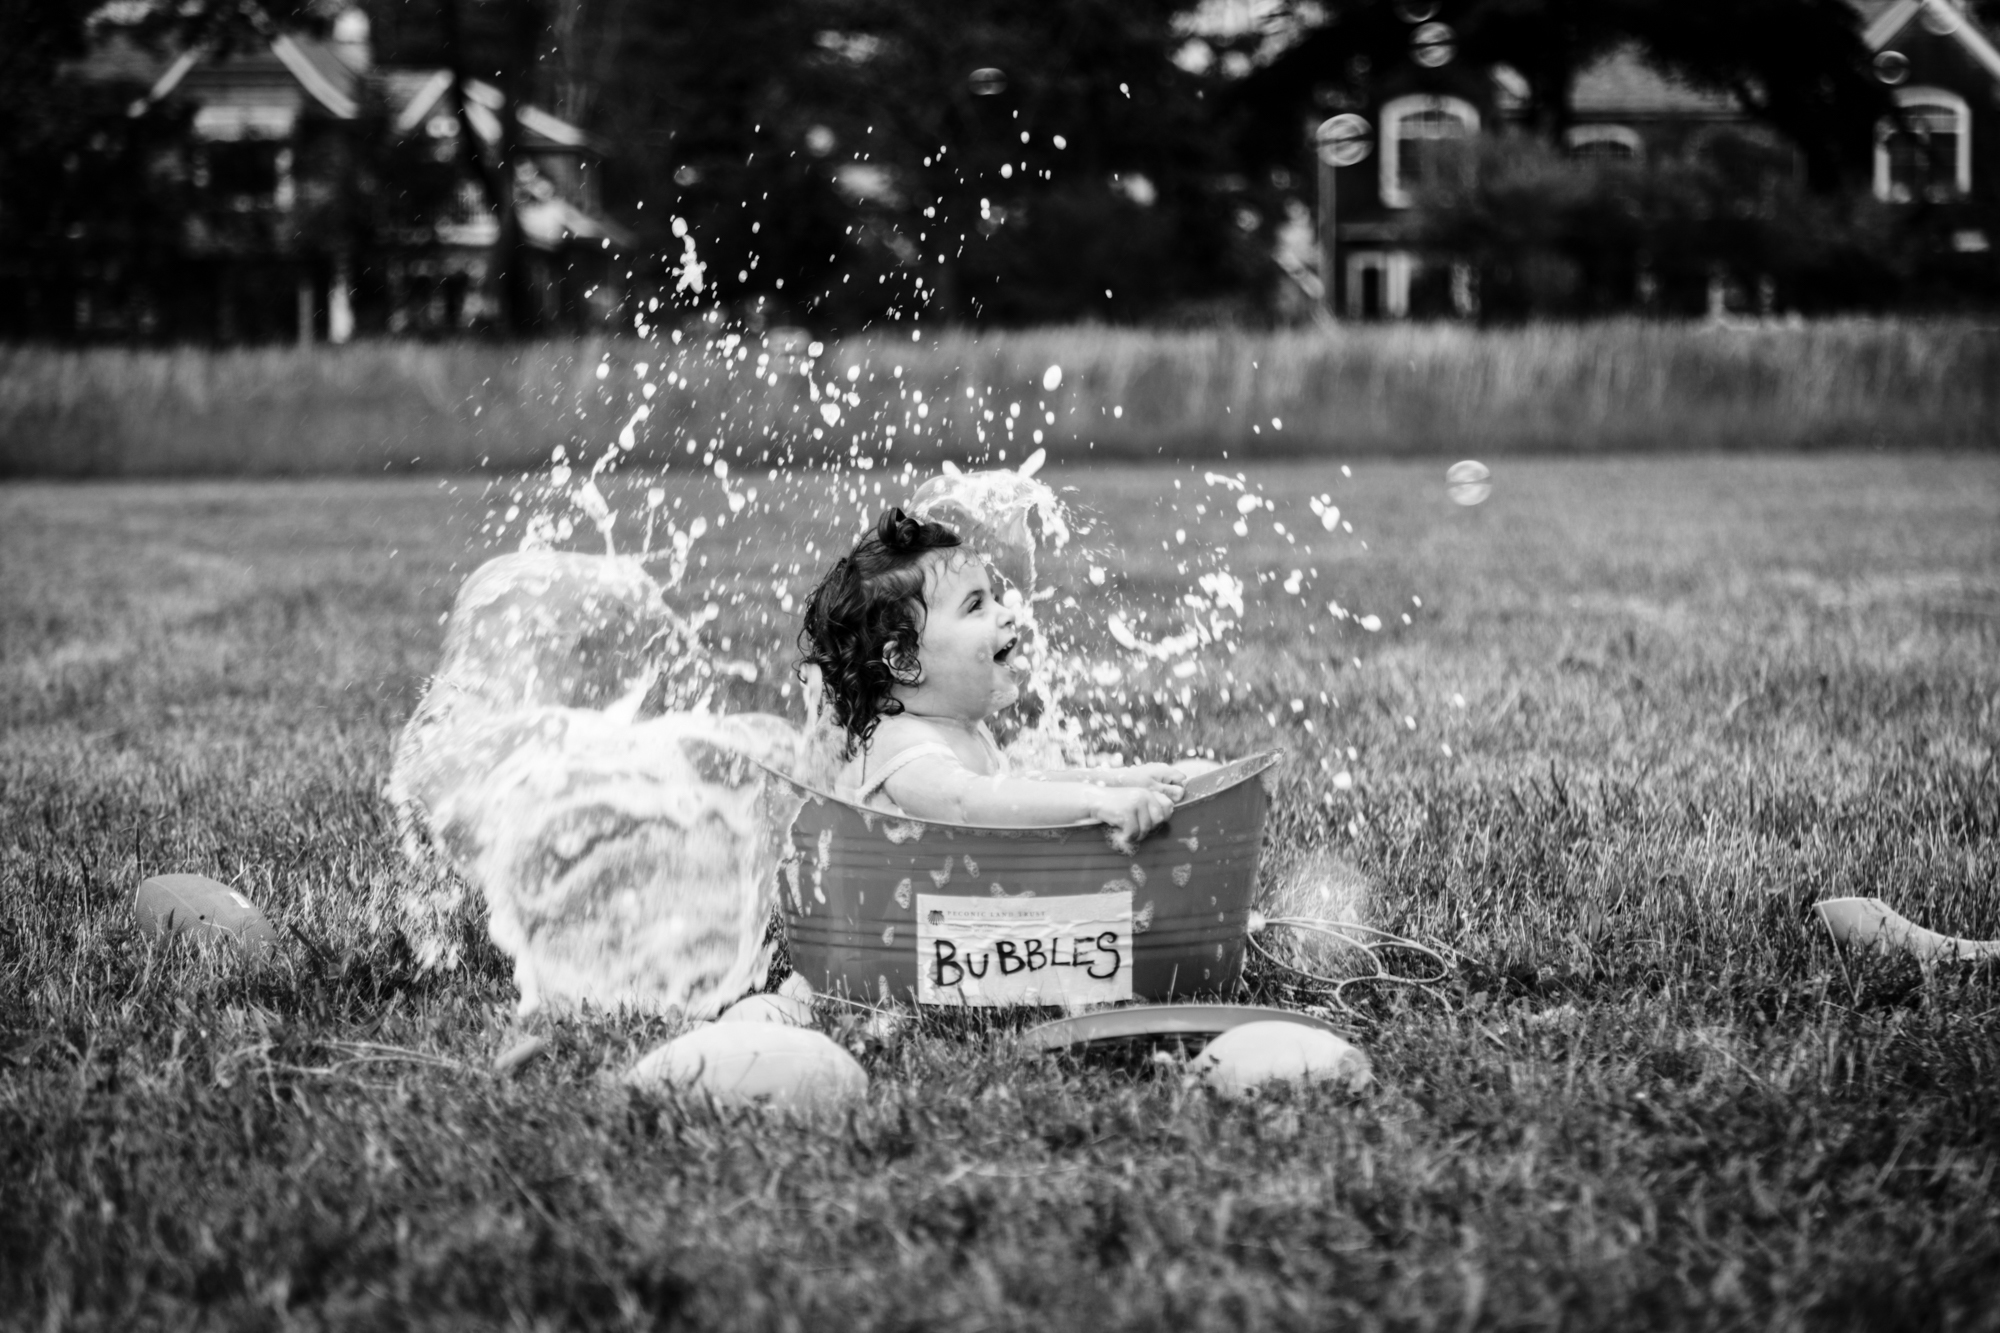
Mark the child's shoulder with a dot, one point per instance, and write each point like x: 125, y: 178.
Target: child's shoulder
x: 895, y: 743
x: 894, y: 734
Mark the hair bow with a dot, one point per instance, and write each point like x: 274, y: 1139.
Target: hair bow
x: 898, y: 531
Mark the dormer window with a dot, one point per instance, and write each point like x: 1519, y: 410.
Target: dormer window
x: 1604, y: 143
x: 1928, y: 155
x: 245, y: 175
x: 1414, y: 131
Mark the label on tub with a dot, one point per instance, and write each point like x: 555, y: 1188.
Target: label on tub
x: 993, y: 951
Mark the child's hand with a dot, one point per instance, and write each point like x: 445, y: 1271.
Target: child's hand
x: 1163, y: 778
x: 1132, y: 812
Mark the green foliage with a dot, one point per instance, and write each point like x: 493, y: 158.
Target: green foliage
x: 1552, y: 235
x: 1799, y: 66
x: 1699, y: 695
x: 840, y: 168
x: 841, y: 147
x: 79, y: 178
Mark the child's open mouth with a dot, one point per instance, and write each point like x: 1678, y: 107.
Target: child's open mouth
x: 1006, y: 654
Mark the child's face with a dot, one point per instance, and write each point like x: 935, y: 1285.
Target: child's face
x: 970, y: 648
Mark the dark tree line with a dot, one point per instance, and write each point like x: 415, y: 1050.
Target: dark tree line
x: 1798, y: 65
x: 847, y: 162
x: 985, y: 160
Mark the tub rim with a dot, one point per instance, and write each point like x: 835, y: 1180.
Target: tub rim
x: 1238, y: 771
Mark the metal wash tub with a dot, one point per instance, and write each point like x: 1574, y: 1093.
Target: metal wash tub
x: 885, y: 907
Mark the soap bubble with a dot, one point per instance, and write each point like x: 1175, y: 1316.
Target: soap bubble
x: 987, y: 81
x: 1467, y: 482
x: 1052, y: 378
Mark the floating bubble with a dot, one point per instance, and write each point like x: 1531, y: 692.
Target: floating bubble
x: 1433, y: 45
x: 987, y: 82
x: 1467, y: 482
x: 1052, y: 378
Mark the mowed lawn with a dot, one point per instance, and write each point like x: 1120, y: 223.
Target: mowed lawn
x: 1647, y: 713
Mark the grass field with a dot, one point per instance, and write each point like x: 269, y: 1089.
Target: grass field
x: 1394, y: 389
x: 1699, y: 694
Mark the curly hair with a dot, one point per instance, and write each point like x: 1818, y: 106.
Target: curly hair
x: 864, y: 620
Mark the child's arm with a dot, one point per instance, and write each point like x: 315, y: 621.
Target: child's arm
x: 941, y: 787
x: 1164, y: 778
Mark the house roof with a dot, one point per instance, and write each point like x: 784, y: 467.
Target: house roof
x: 426, y: 95
x: 1623, y: 84
x: 1888, y: 24
x: 1871, y: 10
x: 267, y: 86
x: 118, y: 59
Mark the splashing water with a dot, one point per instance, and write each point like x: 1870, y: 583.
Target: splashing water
x: 622, y: 862
x: 573, y: 760
x: 990, y: 513
x: 622, y: 858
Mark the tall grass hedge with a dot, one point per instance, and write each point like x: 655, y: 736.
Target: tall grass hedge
x: 1405, y: 389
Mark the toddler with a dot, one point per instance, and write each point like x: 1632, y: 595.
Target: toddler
x: 916, y: 652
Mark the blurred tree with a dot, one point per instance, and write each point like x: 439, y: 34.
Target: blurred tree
x: 516, y: 47
x: 80, y: 194
x: 853, y: 161
x: 1798, y: 65
x: 1552, y: 235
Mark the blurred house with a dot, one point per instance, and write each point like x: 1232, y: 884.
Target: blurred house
x: 1942, y: 68
x: 323, y: 195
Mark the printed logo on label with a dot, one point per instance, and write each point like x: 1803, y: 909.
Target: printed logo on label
x: 995, y: 951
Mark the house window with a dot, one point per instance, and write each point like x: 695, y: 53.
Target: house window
x: 247, y: 173
x: 1604, y: 143
x: 1414, y: 130
x: 1929, y: 154
x: 1378, y: 284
